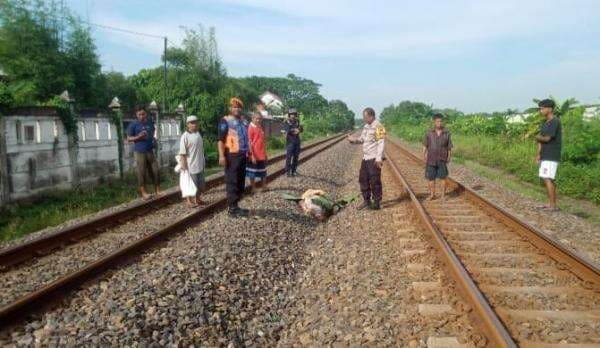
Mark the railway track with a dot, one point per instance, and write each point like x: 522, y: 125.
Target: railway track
x: 28, y: 287
x: 47, y: 244
x: 527, y: 288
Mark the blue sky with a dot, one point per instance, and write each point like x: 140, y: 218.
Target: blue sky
x: 471, y: 55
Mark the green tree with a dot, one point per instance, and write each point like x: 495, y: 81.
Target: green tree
x: 45, y: 50
x: 84, y: 67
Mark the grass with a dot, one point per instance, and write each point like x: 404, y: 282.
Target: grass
x: 585, y: 209
x: 515, y: 156
x: 51, y: 209
x: 582, y: 208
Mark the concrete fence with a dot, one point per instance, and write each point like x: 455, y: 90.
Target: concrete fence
x: 36, y: 154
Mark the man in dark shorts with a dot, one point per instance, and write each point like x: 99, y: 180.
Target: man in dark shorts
x: 437, y: 148
x: 549, y: 147
x: 233, y: 149
x: 141, y: 133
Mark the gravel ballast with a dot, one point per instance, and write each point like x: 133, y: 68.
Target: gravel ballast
x: 222, y: 282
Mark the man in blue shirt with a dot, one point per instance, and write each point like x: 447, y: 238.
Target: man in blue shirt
x: 233, y: 152
x: 141, y: 133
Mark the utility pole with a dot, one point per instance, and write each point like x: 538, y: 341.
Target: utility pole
x: 158, y: 124
x: 165, y: 76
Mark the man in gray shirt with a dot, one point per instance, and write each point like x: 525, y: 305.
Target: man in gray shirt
x: 191, y: 150
x: 437, y: 149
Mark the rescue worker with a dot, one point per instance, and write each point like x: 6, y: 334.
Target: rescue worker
x: 292, y: 129
x: 233, y: 149
x: 372, y: 139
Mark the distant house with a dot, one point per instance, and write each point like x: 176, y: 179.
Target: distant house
x: 271, y: 100
x: 591, y: 111
x: 517, y: 118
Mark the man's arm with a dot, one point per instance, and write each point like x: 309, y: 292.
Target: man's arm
x: 221, y: 147
x: 133, y: 138
x: 548, y: 132
x: 183, y: 153
x: 450, y: 146
x: 380, y: 149
x: 538, y: 156
x: 222, y: 134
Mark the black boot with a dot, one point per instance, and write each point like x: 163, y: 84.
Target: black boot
x: 375, y: 205
x: 238, y: 212
x: 365, y: 204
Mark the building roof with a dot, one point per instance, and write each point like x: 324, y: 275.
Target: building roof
x: 272, y: 95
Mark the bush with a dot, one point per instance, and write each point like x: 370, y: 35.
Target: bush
x: 491, y: 141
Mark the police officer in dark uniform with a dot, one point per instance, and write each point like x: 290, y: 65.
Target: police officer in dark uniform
x: 292, y: 130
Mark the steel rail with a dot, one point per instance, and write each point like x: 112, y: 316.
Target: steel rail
x: 580, y: 265
x: 58, y: 289
x: 492, y: 326
x: 72, y: 234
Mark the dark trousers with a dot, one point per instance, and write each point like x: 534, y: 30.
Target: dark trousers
x: 291, y: 156
x: 369, y: 178
x: 235, y: 178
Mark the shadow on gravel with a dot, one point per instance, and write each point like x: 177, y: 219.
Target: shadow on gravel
x: 288, y: 216
x: 324, y: 180
x: 391, y: 202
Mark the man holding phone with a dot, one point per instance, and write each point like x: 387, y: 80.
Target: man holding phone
x: 141, y: 133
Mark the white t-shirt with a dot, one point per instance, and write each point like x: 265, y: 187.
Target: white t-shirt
x: 192, y: 146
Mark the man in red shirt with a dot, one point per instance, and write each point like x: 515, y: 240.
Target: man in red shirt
x: 257, y: 153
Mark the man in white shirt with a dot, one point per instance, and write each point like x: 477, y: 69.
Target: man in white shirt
x: 191, y: 150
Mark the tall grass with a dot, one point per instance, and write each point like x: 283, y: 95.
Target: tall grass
x: 515, y: 155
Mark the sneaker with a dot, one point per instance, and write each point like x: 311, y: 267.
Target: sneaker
x: 289, y: 174
x: 375, y: 205
x: 365, y: 204
x: 294, y: 173
x: 238, y: 212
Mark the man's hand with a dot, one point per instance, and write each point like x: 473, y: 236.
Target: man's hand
x: 222, y: 161
x: 379, y: 164
x: 538, y: 159
x: 143, y: 134
x: 253, y: 159
x: 184, y: 165
x: 295, y: 131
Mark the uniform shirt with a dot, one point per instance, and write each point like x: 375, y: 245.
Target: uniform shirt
x: 288, y: 126
x: 551, y: 149
x: 373, y: 141
x: 146, y: 144
x: 256, y: 135
x: 234, y: 134
x: 192, y: 146
x: 437, y: 146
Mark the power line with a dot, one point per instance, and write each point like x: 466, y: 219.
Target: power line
x: 123, y: 30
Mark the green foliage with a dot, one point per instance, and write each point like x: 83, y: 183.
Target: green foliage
x: 490, y: 140
x: 67, y: 117
x: 45, y: 51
